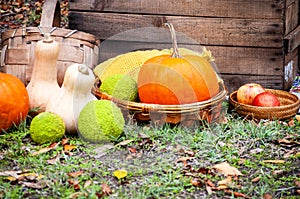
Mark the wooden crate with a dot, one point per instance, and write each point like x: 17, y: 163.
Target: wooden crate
x: 252, y: 41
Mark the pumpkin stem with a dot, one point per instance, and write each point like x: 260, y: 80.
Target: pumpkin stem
x: 175, y: 52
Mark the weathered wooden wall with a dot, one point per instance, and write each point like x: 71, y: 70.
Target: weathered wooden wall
x: 252, y: 41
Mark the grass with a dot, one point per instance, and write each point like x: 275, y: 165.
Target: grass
x: 151, y: 155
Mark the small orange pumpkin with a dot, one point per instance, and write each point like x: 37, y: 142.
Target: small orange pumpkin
x: 14, y: 101
x: 175, y: 80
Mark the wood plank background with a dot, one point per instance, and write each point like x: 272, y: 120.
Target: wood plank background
x: 260, y: 9
x: 246, y: 37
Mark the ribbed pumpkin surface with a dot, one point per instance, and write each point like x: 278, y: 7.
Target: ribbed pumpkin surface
x: 14, y: 101
x: 167, y: 80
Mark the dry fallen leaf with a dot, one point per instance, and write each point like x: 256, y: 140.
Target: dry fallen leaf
x: 203, y: 170
x: 267, y: 196
x: 74, y: 183
x: 187, y: 152
x: 75, y: 174
x: 124, y: 143
x: 35, y: 185
x: 210, y: 183
x: 297, y: 183
x: 222, y: 187
x: 291, y: 122
x: 11, y: 179
x: 278, y: 172
x: 31, y: 176
x: 184, y: 160
x: 21, y: 175
x: 68, y: 147
x: 106, y: 189
x: 236, y: 194
x: 87, y: 183
x: 274, y: 161
x: 225, y: 169
x: 289, y: 153
x: 14, y: 174
x: 255, y: 179
x: 226, y: 181
x: 64, y: 141
x: 288, y: 142
x: 78, y: 195
x: 132, y: 149
x: 54, y: 160
x: 241, y: 161
x: 196, y: 182
x: 46, y: 149
x: 122, y: 173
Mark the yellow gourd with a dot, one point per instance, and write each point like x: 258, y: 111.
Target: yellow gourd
x: 130, y: 63
x: 43, y: 85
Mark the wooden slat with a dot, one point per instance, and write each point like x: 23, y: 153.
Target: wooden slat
x: 17, y: 56
x: 292, y: 40
x: 70, y: 53
x: 217, y: 8
x: 291, y: 16
x: 230, y: 60
x: 208, y: 31
x: 233, y: 82
x: 16, y: 70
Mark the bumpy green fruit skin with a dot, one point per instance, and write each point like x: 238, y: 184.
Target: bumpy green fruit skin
x: 47, y: 127
x: 120, y: 86
x: 100, y: 121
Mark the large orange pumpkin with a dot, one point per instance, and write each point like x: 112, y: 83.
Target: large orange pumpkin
x: 172, y: 79
x: 14, y: 101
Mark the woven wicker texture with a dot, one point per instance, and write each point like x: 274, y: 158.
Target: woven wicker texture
x: 210, y: 111
x: 17, y: 57
x: 289, y: 106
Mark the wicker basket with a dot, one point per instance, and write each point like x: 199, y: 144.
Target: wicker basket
x: 18, y: 45
x: 209, y: 111
x: 289, y: 106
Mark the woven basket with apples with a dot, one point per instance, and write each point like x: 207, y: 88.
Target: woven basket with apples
x: 254, y: 101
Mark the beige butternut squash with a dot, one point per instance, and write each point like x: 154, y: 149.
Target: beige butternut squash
x: 75, y: 93
x: 43, y: 85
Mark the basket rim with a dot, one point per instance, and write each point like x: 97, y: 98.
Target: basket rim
x: 59, y: 32
x: 280, y: 112
x: 277, y: 108
x: 145, y: 107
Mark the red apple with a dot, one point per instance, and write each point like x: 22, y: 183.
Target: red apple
x: 247, y: 93
x: 266, y: 99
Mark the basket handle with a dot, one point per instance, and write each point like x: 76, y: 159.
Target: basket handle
x: 51, y: 14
